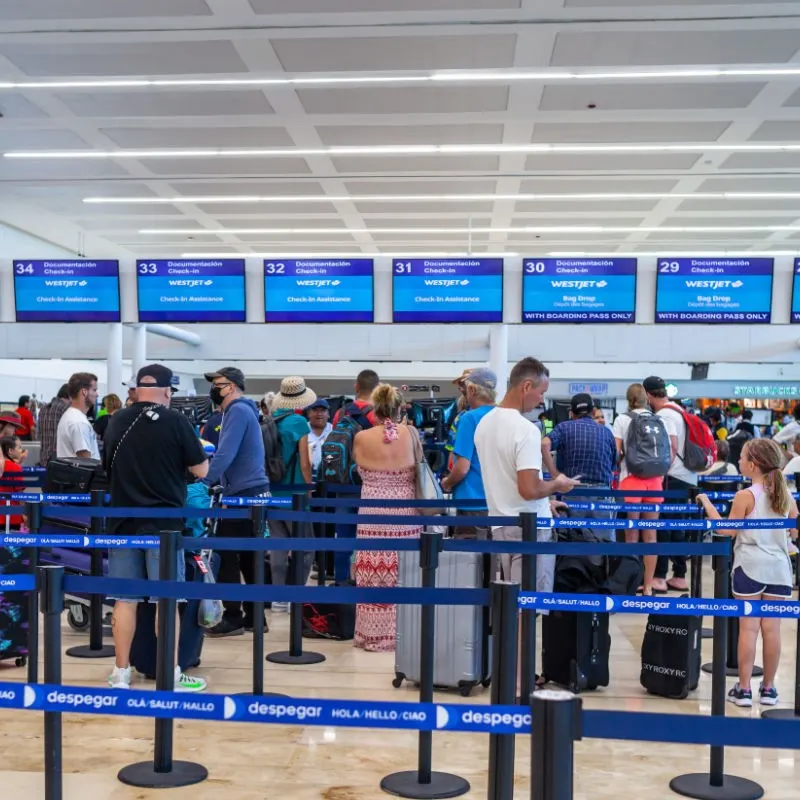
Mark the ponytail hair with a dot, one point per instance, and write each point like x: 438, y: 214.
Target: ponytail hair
x: 767, y: 456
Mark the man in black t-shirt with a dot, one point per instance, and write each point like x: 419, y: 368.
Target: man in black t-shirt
x: 148, y: 450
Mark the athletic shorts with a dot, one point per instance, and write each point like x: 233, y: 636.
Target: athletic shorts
x: 642, y: 485
x: 139, y: 565
x: 745, y: 586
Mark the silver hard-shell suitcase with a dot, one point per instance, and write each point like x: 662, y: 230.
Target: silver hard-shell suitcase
x: 461, y: 655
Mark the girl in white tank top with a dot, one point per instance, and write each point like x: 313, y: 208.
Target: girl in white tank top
x: 761, y: 565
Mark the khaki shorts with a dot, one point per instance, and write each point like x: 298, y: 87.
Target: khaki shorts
x: 511, y: 563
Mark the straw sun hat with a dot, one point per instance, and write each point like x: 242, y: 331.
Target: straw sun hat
x: 294, y: 394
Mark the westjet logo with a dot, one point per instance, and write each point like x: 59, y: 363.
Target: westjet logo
x: 714, y: 284
x: 318, y: 283
x: 446, y: 283
x: 579, y: 284
x: 65, y: 284
x: 190, y: 284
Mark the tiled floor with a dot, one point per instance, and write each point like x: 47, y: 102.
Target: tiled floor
x: 246, y: 762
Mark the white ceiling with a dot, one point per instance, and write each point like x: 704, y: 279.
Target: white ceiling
x: 42, y: 40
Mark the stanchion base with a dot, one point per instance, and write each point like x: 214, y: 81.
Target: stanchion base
x: 698, y: 785
x: 183, y: 773
x: 732, y: 672
x: 406, y: 784
x: 263, y: 694
x: 285, y: 657
x: 780, y: 713
x: 85, y: 651
x: 706, y: 633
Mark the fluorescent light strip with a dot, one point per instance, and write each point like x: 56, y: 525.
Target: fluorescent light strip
x: 405, y: 150
x: 461, y: 76
x: 440, y: 198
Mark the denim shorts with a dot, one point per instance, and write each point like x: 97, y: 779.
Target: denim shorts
x: 139, y: 565
x: 745, y: 586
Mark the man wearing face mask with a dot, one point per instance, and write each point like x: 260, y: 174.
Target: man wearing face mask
x: 75, y: 435
x: 239, y: 466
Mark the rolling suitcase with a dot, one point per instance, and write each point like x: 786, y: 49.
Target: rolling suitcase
x: 461, y: 656
x: 575, y: 649
x: 14, y: 609
x: 671, y: 655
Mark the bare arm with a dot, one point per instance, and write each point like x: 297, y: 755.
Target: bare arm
x: 547, y: 457
x: 200, y: 470
x: 457, y: 474
x: 619, y: 449
x: 743, y: 504
x: 305, y: 459
x: 532, y: 487
x: 83, y: 454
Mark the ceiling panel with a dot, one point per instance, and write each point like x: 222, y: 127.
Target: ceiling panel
x: 333, y: 135
x: 373, y: 6
x: 469, y: 186
x: 573, y: 162
x: 563, y: 132
x: 15, y: 106
x: 590, y: 206
x: 166, y: 104
x: 720, y: 238
x: 733, y: 222
x: 739, y: 205
x: 78, y: 190
x: 566, y: 219
x: 249, y: 187
x: 250, y: 213
x: 571, y: 241
x: 226, y: 166
x: 460, y: 240
x: 662, y: 96
x: 752, y: 183
x: 776, y: 131
x: 405, y: 100
x: 124, y: 58
x: 264, y: 136
x: 608, y: 48
x: 382, y: 165
x: 99, y: 9
x: 372, y: 210
x: 50, y: 139
x: 762, y: 161
x: 647, y: 3
x: 11, y: 169
x: 605, y: 184
x: 363, y: 54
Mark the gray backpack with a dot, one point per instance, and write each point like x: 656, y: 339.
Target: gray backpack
x: 647, y: 447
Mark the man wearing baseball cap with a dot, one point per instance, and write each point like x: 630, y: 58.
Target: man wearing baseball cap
x: 461, y: 408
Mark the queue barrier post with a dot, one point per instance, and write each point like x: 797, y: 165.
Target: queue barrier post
x: 163, y: 772
x: 556, y: 724
x: 95, y: 648
x: 529, y: 524
x: 715, y: 784
x: 295, y: 655
x: 33, y: 511
x: 697, y: 567
x: 423, y: 783
x: 51, y: 592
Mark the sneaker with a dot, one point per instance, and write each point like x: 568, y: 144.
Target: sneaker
x: 767, y: 697
x: 120, y: 678
x: 248, y: 626
x: 188, y: 683
x: 225, y: 628
x: 280, y: 608
x: 741, y: 697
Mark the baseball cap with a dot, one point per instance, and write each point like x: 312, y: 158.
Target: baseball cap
x: 654, y: 384
x: 581, y: 403
x: 233, y: 374
x: 161, y: 375
x: 481, y: 376
x: 320, y: 402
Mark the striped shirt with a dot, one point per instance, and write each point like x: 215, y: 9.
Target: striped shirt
x: 49, y: 416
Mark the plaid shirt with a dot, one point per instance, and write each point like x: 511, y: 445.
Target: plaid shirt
x: 49, y: 416
x: 585, y: 448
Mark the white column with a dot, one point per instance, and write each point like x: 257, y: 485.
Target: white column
x: 498, y: 357
x: 139, y: 347
x: 114, y: 359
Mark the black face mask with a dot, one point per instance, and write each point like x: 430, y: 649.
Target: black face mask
x: 216, y: 395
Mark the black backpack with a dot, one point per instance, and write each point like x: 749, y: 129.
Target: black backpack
x: 276, y: 469
x: 647, y: 447
x: 337, y: 464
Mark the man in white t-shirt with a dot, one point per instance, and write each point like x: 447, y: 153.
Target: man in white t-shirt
x: 678, y: 477
x: 787, y: 433
x: 510, y: 451
x: 75, y: 435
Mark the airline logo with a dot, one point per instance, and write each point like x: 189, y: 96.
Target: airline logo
x: 318, y: 283
x: 714, y: 285
x: 65, y: 284
x: 440, y: 282
x: 190, y: 284
x: 579, y: 284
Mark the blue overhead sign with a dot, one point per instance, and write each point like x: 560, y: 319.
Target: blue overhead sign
x: 447, y: 289
x: 712, y: 290
x: 578, y: 289
x: 796, y: 292
x: 191, y: 290
x: 67, y: 291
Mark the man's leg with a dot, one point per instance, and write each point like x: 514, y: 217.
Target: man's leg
x: 678, y: 579
x: 230, y: 569
x: 123, y: 628
x: 124, y: 565
x: 279, y: 529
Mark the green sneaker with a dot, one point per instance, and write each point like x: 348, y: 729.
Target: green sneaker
x: 188, y: 683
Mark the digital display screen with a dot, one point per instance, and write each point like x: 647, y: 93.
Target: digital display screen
x: 732, y: 290
x: 191, y: 290
x: 447, y: 289
x: 67, y: 291
x: 578, y: 289
x: 796, y: 292
x: 319, y: 290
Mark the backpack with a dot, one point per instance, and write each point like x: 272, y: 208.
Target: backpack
x: 337, y: 465
x: 736, y: 442
x: 700, y: 449
x: 275, y: 468
x: 648, y: 452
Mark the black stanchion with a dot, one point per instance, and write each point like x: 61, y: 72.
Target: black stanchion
x: 162, y: 772
x: 528, y: 523
x: 51, y: 591
x: 322, y: 557
x: 556, y: 724
x: 696, y: 584
x: 423, y: 783
x: 33, y: 511
x: 715, y: 784
x: 95, y: 648
x: 295, y: 654
x: 505, y: 597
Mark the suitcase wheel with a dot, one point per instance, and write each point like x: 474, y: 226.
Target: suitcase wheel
x: 22, y: 661
x: 77, y: 617
x: 486, y: 683
x: 398, y: 679
x: 465, y: 688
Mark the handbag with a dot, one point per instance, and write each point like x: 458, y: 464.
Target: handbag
x: 427, y: 488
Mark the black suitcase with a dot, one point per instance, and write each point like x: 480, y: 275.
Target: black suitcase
x: 575, y: 649
x: 74, y: 474
x: 190, y: 641
x: 671, y: 655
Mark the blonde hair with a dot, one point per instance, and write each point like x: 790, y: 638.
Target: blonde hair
x: 636, y: 396
x: 387, y: 402
x: 112, y: 403
x: 767, y: 456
